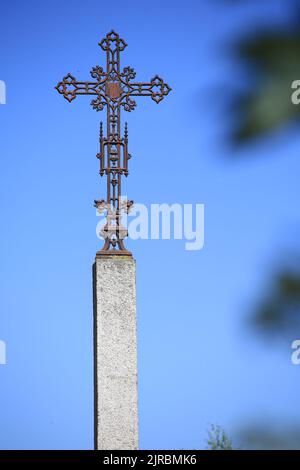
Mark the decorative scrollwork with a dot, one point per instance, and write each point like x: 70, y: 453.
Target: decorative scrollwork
x: 68, y: 87
x: 129, y: 104
x: 98, y: 73
x: 159, y: 89
x: 126, y: 206
x: 128, y: 74
x: 112, y: 41
x: 99, y: 103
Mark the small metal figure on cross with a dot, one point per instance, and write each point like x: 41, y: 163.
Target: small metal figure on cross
x: 114, y: 89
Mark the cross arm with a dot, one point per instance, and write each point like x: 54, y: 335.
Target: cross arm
x: 157, y: 89
x: 69, y: 87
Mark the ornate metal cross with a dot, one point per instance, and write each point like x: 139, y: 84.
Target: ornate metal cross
x: 114, y: 89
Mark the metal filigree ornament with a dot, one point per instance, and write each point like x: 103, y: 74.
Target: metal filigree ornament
x: 113, y: 89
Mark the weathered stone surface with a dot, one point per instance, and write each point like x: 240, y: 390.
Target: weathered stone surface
x: 116, y: 414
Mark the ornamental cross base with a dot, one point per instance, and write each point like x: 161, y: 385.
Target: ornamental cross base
x: 113, y: 89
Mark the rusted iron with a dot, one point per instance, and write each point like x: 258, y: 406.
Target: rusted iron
x: 114, y: 89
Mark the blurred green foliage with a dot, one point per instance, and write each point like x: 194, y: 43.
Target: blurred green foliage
x: 218, y: 439
x: 266, y: 437
x: 273, y: 59
x: 279, y: 311
x: 265, y: 107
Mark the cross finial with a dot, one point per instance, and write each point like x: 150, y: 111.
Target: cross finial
x: 114, y: 89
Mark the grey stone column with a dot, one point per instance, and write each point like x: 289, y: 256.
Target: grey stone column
x: 115, y: 353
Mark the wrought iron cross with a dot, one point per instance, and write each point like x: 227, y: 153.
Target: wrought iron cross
x: 114, y: 89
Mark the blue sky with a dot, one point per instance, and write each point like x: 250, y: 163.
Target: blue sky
x: 198, y: 363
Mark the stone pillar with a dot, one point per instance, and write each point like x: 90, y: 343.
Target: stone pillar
x: 115, y: 353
